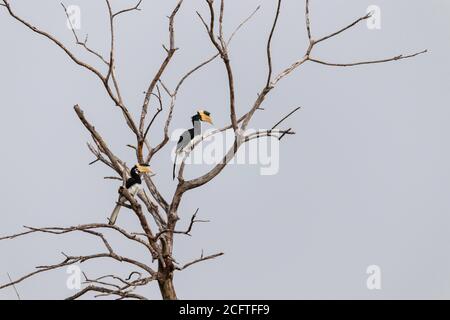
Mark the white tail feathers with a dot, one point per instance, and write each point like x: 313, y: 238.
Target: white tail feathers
x: 114, y: 214
x: 174, y: 165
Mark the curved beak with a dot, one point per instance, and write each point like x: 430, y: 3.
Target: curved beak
x: 206, y: 118
x: 144, y: 168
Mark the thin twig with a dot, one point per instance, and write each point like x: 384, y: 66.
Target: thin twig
x: 15, y: 289
x: 353, y: 64
x: 287, y: 116
x: 135, y: 8
x: 187, y: 232
x: 269, y: 42
x: 201, y: 259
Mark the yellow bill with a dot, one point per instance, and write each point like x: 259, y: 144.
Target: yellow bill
x: 144, y: 168
x: 205, y: 116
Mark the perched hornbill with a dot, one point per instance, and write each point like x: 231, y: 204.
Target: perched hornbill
x: 187, y: 139
x: 133, y: 185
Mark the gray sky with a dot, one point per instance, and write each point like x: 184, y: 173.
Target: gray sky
x: 364, y: 182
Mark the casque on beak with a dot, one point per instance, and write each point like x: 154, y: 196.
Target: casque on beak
x: 205, y: 116
x: 207, y: 119
x: 144, y: 168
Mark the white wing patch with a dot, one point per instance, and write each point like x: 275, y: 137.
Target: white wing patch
x: 190, y: 146
x: 134, y: 189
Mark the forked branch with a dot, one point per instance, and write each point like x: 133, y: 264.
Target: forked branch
x: 146, y: 208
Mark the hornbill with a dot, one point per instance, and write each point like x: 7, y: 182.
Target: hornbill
x: 188, y: 138
x: 133, y: 185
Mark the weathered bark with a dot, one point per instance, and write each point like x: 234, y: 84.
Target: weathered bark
x: 165, y: 280
x: 166, y: 267
x: 167, y: 289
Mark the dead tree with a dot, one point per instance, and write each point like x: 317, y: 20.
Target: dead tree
x: 151, y: 203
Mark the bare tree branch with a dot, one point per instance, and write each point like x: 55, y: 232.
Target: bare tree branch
x: 285, y: 117
x: 154, y: 249
x: 173, y: 95
x: 69, y: 260
x: 98, y: 138
x: 307, y: 20
x: 53, y: 39
x: 135, y: 8
x: 112, y: 62
x: 79, y: 228
x: 353, y: 64
x: 160, y: 242
x: 268, y: 133
x: 170, y: 53
x: 351, y: 25
x: 83, y: 64
x: 269, y: 42
x: 107, y: 291
x: 223, y: 51
x: 158, y: 96
x: 187, y: 232
x: 84, y: 43
x: 14, y: 287
x: 124, y: 289
x: 201, y: 259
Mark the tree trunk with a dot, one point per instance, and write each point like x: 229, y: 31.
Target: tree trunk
x: 167, y: 289
x: 167, y: 268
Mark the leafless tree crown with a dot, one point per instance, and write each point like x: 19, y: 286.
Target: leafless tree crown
x: 151, y: 203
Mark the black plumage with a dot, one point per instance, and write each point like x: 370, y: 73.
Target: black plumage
x: 132, y: 185
x: 188, y: 136
x: 134, y: 179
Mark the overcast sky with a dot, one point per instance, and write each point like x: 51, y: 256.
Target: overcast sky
x: 365, y: 181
